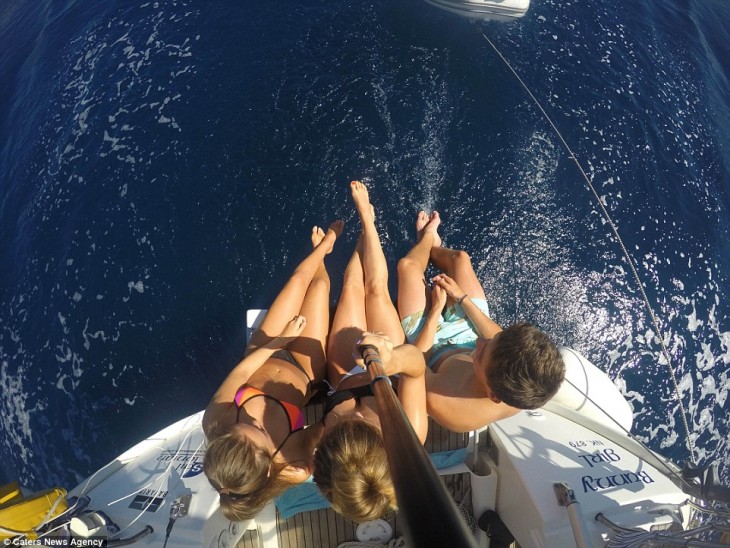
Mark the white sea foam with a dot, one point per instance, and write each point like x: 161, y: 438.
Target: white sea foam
x: 684, y: 300
x: 81, y: 127
x: 15, y: 411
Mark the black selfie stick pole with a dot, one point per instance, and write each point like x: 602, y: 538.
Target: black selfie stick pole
x: 429, y: 513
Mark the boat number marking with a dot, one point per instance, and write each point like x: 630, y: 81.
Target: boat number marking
x: 585, y: 443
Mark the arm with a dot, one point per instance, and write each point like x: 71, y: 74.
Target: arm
x: 412, y: 387
x: 485, y: 326
x: 221, y: 400
x: 425, y: 338
x: 406, y: 361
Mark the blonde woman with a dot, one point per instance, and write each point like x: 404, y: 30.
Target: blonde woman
x: 351, y: 467
x: 258, y: 445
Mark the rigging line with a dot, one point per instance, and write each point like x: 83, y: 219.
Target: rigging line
x: 163, y: 476
x: 614, y: 229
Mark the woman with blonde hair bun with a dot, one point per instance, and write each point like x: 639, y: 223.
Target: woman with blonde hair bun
x: 258, y: 446
x: 350, y: 464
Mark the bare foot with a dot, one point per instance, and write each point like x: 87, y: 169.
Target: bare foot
x: 421, y: 221
x: 328, y: 240
x: 362, y: 202
x: 432, y: 228
x: 317, y: 236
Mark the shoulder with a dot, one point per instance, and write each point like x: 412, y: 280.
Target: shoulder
x: 218, y: 416
x: 297, y: 472
x: 455, y: 372
x: 465, y: 413
x: 456, y: 402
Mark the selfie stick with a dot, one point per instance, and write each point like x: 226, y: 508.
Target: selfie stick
x: 429, y: 513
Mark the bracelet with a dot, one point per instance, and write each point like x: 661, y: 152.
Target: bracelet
x: 371, y: 360
x: 380, y: 378
x: 461, y: 299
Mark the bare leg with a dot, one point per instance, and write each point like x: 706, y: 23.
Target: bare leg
x: 413, y: 294
x: 457, y: 265
x: 288, y: 302
x: 349, y: 321
x: 308, y: 348
x: 379, y: 309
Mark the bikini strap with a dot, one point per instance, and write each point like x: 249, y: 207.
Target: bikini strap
x: 273, y: 455
x: 356, y: 393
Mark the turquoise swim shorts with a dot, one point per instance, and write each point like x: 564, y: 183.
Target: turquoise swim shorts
x: 454, y: 329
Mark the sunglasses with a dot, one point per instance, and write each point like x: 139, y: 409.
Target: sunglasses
x: 228, y: 493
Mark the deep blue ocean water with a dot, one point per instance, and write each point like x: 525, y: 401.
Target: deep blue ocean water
x: 162, y: 163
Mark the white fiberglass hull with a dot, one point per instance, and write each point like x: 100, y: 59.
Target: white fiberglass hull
x: 138, y: 488
x: 488, y: 10
x: 513, y: 470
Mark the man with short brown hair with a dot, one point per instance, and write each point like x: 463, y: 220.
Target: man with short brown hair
x: 478, y: 373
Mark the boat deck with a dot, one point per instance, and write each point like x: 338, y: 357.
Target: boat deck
x: 327, y: 529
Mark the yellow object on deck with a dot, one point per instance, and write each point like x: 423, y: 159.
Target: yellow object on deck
x: 8, y: 492
x: 20, y: 515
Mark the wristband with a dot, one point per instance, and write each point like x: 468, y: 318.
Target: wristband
x: 461, y: 299
x: 380, y: 378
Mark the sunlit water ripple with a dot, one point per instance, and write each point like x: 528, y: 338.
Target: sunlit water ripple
x: 161, y: 165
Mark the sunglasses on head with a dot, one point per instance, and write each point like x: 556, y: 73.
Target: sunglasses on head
x: 228, y: 493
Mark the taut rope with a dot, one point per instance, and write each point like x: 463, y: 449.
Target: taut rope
x: 620, y: 241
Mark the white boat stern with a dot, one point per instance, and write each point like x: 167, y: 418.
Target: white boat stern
x: 534, y: 450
